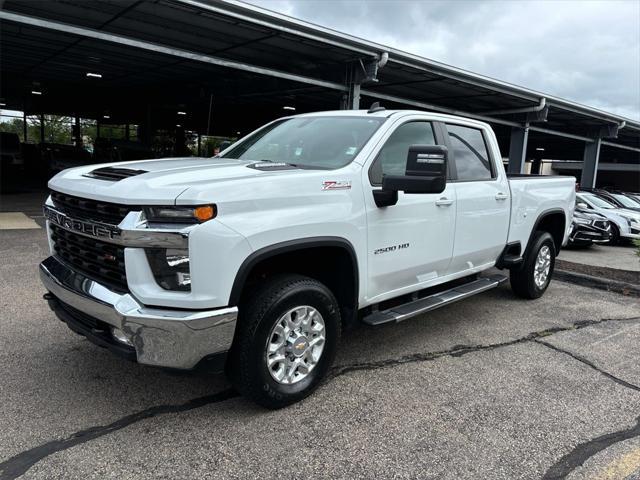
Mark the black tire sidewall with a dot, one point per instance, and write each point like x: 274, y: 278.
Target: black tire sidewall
x: 311, y: 294
x: 615, y: 235
x: 542, y: 240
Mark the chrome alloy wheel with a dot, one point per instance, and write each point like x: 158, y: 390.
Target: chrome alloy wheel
x: 295, y: 345
x: 542, y: 266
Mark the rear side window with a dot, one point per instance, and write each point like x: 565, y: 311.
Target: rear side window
x: 392, y: 158
x: 470, y: 153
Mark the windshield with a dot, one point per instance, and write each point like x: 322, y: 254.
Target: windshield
x: 597, y: 201
x: 626, y: 201
x: 313, y: 142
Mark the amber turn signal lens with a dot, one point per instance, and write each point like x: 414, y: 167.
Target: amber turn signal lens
x: 205, y: 213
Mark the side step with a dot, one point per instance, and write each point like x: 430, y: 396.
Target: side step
x: 437, y: 300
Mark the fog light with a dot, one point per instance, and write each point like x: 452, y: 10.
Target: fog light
x: 170, y: 268
x: 120, y: 336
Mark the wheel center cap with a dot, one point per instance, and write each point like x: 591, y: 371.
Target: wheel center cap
x: 300, y: 346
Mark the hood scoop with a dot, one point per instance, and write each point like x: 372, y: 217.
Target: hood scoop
x: 113, y: 174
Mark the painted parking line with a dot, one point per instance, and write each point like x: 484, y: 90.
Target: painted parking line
x: 16, y: 221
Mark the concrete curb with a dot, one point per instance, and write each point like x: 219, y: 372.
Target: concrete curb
x: 607, y: 273
x: 610, y: 285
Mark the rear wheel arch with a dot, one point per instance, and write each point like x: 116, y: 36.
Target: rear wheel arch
x: 553, y: 221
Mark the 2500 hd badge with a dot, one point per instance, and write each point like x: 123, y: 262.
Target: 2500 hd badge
x: 392, y: 248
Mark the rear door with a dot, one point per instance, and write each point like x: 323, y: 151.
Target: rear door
x: 482, y: 196
x: 409, y: 243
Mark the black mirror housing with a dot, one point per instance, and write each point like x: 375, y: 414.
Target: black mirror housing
x: 426, y: 171
x: 427, y: 161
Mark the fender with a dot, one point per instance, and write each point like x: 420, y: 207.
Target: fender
x: 290, y: 246
x: 540, y: 218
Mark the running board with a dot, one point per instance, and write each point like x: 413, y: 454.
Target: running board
x: 437, y: 300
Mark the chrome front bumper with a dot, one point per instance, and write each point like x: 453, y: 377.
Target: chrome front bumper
x: 161, y: 337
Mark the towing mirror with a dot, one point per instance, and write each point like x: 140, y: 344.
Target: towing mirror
x: 426, y: 172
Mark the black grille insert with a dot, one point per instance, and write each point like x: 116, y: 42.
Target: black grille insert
x: 600, y: 224
x: 103, y: 262
x: 87, y: 209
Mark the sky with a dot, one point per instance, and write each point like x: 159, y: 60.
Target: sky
x: 586, y: 51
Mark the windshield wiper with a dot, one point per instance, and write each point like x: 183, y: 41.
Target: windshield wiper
x: 280, y: 162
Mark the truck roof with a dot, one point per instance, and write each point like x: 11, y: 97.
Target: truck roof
x: 386, y: 114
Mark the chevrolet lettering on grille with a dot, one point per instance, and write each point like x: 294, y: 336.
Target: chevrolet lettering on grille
x: 81, y: 226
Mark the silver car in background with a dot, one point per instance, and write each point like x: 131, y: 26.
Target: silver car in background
x: 625, y: 224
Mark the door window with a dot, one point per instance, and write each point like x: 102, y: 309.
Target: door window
x: 392, y: 158
x: 470, y: 153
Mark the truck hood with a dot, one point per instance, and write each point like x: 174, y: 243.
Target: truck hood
x: 156, y: 182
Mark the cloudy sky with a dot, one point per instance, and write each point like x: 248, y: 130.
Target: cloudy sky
x: 587, y: 51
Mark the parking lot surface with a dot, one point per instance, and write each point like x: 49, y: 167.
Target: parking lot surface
x: 491, y: 387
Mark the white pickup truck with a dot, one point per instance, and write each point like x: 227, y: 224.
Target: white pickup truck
x: 256, y: 259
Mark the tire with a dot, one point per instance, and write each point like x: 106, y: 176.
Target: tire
x: 523, y: 279
x: 615, y: 235
x: 284, y: 300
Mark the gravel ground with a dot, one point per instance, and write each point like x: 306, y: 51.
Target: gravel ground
x: 491, y: 387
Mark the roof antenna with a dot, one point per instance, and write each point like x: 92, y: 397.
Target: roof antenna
x: 375, y: 107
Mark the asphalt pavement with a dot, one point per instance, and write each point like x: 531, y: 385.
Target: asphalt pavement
x: 490, y: 387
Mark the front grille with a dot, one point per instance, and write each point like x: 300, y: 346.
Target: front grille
x: 103, y: 262
x: 87, y: 209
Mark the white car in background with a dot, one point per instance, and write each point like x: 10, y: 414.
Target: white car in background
x: 624, y: 223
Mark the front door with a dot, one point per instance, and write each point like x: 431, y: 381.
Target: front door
x: 409, y: 244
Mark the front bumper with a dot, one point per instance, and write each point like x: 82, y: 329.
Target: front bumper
x: 633, y: 232
x: 162, y: 337
x: 589, y: 234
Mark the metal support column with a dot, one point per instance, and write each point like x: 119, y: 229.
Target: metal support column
x: 590, y: 163
x: 42, y: 128
x: 518, y: 149
x: 25, y: 129
x: 354, y: 96
x: 77, y: 133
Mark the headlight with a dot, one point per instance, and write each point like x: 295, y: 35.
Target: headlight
x: 170, y: 267
x: 581, y: 221
x: 197, y: 214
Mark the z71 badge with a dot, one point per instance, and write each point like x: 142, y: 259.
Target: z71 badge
x: 336, y: 185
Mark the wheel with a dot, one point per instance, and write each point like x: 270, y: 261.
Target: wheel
x: 533, y: 277
x: 615, y: 235
x: 285, y: 342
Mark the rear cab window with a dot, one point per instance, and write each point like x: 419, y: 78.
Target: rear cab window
x: 470, y: 153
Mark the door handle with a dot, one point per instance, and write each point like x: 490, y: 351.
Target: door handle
x: 443, y: 202
x: 501, y: 196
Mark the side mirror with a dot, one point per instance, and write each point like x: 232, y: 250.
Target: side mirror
x: 426, y: 172
x: 584, y: 206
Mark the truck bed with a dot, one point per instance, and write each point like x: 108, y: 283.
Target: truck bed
x: 532, y: 195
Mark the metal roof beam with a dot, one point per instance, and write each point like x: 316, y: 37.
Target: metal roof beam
x: 498, y: 121
x: 622, y: 147
x: 557, y: 133
x: 171, y: 51
x: 226, y: 12
x: 437, y: 108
